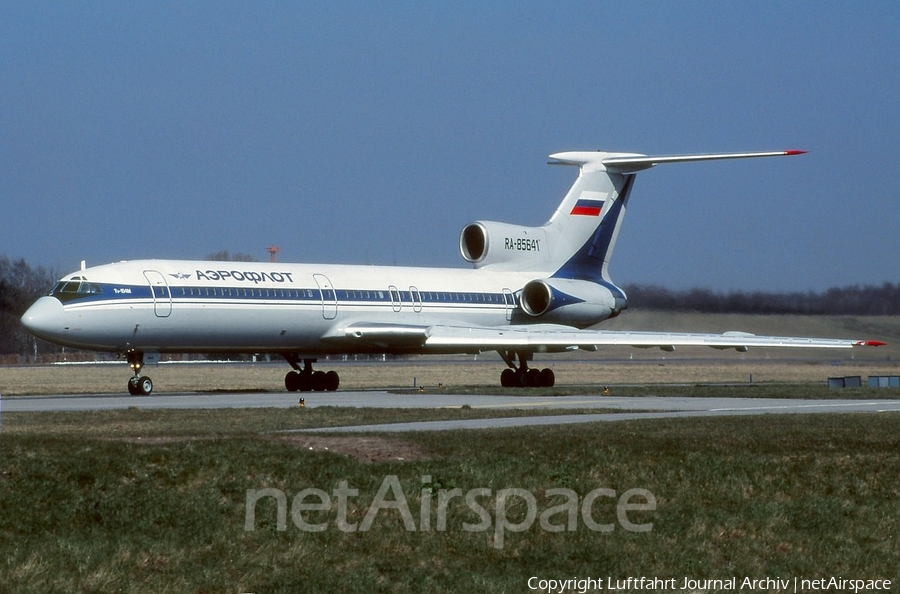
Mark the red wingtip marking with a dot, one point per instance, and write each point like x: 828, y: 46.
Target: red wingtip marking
x: 874, y: 343
x: 795, y: 152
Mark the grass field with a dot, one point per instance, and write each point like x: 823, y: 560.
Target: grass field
x: 166, y: 501
x: 157, y: 501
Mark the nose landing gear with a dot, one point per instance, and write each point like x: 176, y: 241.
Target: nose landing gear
x: 138, y: 385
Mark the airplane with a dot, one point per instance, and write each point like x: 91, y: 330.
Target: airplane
x: 529, y: 290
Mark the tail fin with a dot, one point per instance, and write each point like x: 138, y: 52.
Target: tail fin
x: 583, y: 231
x: 577, y: 242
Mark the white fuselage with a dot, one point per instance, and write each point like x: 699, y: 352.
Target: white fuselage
x: 207, y: 306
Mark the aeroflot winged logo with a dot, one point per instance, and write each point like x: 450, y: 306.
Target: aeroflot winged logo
x: 180, y: 276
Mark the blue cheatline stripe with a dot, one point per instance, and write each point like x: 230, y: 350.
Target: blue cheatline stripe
x: 108, y: 292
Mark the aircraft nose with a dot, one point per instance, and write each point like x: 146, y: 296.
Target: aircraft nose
x: 45, y: 318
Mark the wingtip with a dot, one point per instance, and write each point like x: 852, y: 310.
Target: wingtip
x: 795, y: 152
x: 872, y: 343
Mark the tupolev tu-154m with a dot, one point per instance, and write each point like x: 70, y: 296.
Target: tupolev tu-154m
x: 530, y: 290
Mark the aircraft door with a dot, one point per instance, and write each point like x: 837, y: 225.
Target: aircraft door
x: 329, y: 296
x: 510, y: 300
x: 416, y: 297
x: 162, y: 295
x: 396, y: 298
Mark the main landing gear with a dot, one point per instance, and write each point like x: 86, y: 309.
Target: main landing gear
x: 306, y: 380
x: 523, y: 376
x: 138, y: 385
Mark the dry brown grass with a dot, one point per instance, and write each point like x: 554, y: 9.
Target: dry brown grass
x: 74, y: 379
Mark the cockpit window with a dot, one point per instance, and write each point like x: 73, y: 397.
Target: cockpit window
x: 69, y: 287
x: 75, y: 288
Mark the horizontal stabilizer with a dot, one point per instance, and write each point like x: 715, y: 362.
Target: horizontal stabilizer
x: 632, y: 163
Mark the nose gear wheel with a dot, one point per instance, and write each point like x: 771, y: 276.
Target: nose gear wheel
x: 138, y: 385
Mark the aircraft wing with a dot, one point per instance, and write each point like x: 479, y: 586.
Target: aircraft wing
x: 556, y: 338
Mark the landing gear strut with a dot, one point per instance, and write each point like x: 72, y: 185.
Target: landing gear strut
x: 523, y: 376
x: 305, y: 379
x: 138, y: 385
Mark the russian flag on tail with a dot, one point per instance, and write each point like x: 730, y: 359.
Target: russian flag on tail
x: 587, y: 207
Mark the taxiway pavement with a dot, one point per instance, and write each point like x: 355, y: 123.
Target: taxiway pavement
x: 643, y: 407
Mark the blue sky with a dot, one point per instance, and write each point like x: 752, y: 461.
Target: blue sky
x: 372, y: 132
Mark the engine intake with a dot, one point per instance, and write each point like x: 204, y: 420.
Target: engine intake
x: 473, y: 242
x: 504, y: 246
x: 537, y: 297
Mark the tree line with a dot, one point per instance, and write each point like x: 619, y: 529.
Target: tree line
x: 865, y: 300
x: 21, y: 284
